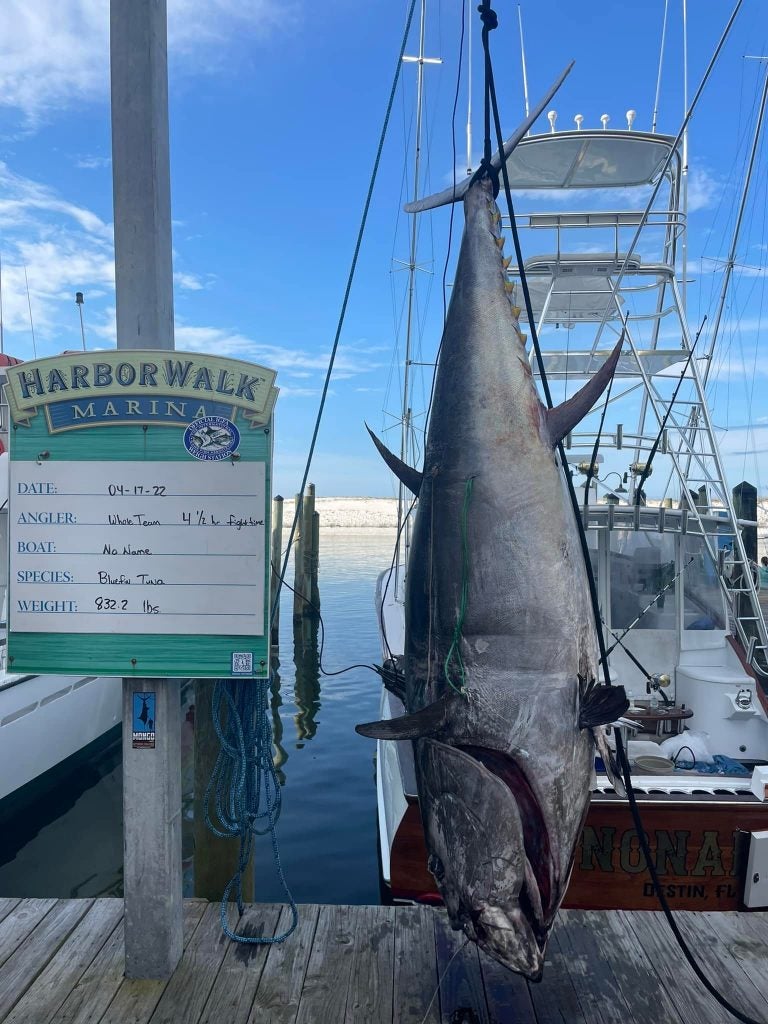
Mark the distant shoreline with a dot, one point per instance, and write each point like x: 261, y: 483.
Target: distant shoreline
x: 349, y: 513
x: 381, y: 514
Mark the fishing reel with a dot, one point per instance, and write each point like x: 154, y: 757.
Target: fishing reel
x: 655, y: 684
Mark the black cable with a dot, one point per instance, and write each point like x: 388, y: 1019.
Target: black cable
x: 624, y: 763
x: 643, y: 840
x: 345, y: 301
x: 316, y: 610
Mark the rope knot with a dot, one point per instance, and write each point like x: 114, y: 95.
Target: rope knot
x: 488, y: 17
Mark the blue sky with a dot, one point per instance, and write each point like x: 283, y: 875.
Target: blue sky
x: 275, y: 114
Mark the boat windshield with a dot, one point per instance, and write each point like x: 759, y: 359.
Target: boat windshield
x: 642, y: 564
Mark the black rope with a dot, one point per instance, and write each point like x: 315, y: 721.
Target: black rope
x: 343, y: 312
x: 491, y: 101
x: 491, y: 104
x: 643, y: 840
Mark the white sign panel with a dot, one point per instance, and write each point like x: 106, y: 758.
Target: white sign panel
x: 138, y: 547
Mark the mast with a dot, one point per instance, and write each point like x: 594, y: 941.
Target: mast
x: 661, y: 64
x: 2, y: 342
x: 522, y: 59
x: 684, y: 173
x: 406, y: 415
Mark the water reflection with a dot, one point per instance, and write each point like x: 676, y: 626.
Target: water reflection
x: 306, y: 687
x: 279, y: 753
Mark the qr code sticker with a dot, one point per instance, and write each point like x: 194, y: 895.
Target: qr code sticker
x: 242, y: 663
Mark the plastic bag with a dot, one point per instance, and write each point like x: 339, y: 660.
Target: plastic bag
x: 688, y: 746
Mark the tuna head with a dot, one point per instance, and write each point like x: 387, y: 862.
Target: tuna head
x: 492, y: 866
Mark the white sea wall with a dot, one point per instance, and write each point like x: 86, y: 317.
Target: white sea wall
x: 349, y: 513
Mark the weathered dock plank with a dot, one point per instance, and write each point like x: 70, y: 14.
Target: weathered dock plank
x: 370, y: 990
x: 282, y: 979
x: 234, y: 990
x: 42, y: 1001
x: 554, y: 999
x: 506, y: 994
x: 7, y: 904
x: 22, y: 968
x: 720, y: 967
x: 326, y: 985
x: 20, y: 922
x: 134, y: 1001
x: 187, y: 991
x: 634, y: 972
x: 415, y: 967
x: 64, y: 960
x: 462, y: 994
x: 693, y: 1003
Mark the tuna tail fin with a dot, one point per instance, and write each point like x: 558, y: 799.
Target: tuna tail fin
x: 429, y: 721
x: 411, y: 477
x: 456, y: 192
x: 564, y: 417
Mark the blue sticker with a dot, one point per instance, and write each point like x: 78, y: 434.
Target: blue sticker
x: 144, y: 722
x: 212, y: 438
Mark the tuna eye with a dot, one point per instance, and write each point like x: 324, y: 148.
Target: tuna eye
x: 435, y: 867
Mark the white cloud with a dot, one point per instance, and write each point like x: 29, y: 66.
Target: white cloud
x: 188, y: 282
x: 56, y: 52
x: 92, y: 163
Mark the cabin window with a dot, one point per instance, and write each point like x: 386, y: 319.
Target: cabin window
x: 703, y: 597
x: 642, y: 564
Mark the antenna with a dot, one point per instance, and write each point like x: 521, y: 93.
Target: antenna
x: 661, y: 62
x: 522, y: 58
x: 469, y: 90
x: 31, y: 321
x: 79, y: 301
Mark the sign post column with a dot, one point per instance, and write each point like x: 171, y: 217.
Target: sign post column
x: 144, y: 301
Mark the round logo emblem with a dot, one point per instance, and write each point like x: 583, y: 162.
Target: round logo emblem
x: 211, y: 438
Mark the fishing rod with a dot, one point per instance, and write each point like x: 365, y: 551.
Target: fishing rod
x: 652, y: 679
x: 647, y: 608
x: 647, y: 469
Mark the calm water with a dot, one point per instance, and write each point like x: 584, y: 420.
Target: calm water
x: 67, y: 841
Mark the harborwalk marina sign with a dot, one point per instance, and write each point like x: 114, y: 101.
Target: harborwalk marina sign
x: 139, y: 513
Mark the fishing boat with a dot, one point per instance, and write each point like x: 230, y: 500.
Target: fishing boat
x: 44, y: 719
x: 673, y: 546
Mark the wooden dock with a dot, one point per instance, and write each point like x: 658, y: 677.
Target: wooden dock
x: 62, y: 961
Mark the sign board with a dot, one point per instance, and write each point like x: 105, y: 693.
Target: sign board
x: 139, y: 515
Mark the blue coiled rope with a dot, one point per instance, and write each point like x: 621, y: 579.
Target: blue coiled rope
x: 243, y: 797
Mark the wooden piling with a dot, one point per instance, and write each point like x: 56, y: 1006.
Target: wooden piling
x: 306, y: 600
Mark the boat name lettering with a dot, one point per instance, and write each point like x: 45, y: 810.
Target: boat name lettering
x: 675, y: 853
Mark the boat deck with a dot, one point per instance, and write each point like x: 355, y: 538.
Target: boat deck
x: 62, y: 961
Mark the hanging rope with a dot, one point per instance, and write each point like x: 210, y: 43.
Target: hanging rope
x: 243, y: 797
x: 454, y: 651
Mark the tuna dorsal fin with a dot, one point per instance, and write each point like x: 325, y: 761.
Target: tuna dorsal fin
x: 564, y: 417
x: 601, y: 705
x: 429, y: 721
x: 410, y: 477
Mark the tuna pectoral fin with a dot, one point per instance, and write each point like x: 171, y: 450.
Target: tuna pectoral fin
x: 563, y: 418
x: 406, y: 474
x: 612, y: 769
x: 429, y: 721
x: 601, y: 705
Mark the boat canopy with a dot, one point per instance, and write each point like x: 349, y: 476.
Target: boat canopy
x: 588, y: 159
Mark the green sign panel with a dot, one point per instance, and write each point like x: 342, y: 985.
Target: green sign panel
x: 139, y: 515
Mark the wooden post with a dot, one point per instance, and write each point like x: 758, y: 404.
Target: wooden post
x: 298, y: 557
x: 144, y: 301
x: 306, y: 599
x: 315, y: 562
x: 277, y: 564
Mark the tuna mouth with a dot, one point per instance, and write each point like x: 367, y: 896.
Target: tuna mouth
x: 535, y: 905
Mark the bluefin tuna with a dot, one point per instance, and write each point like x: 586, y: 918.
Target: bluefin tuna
x: 502, y: 687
